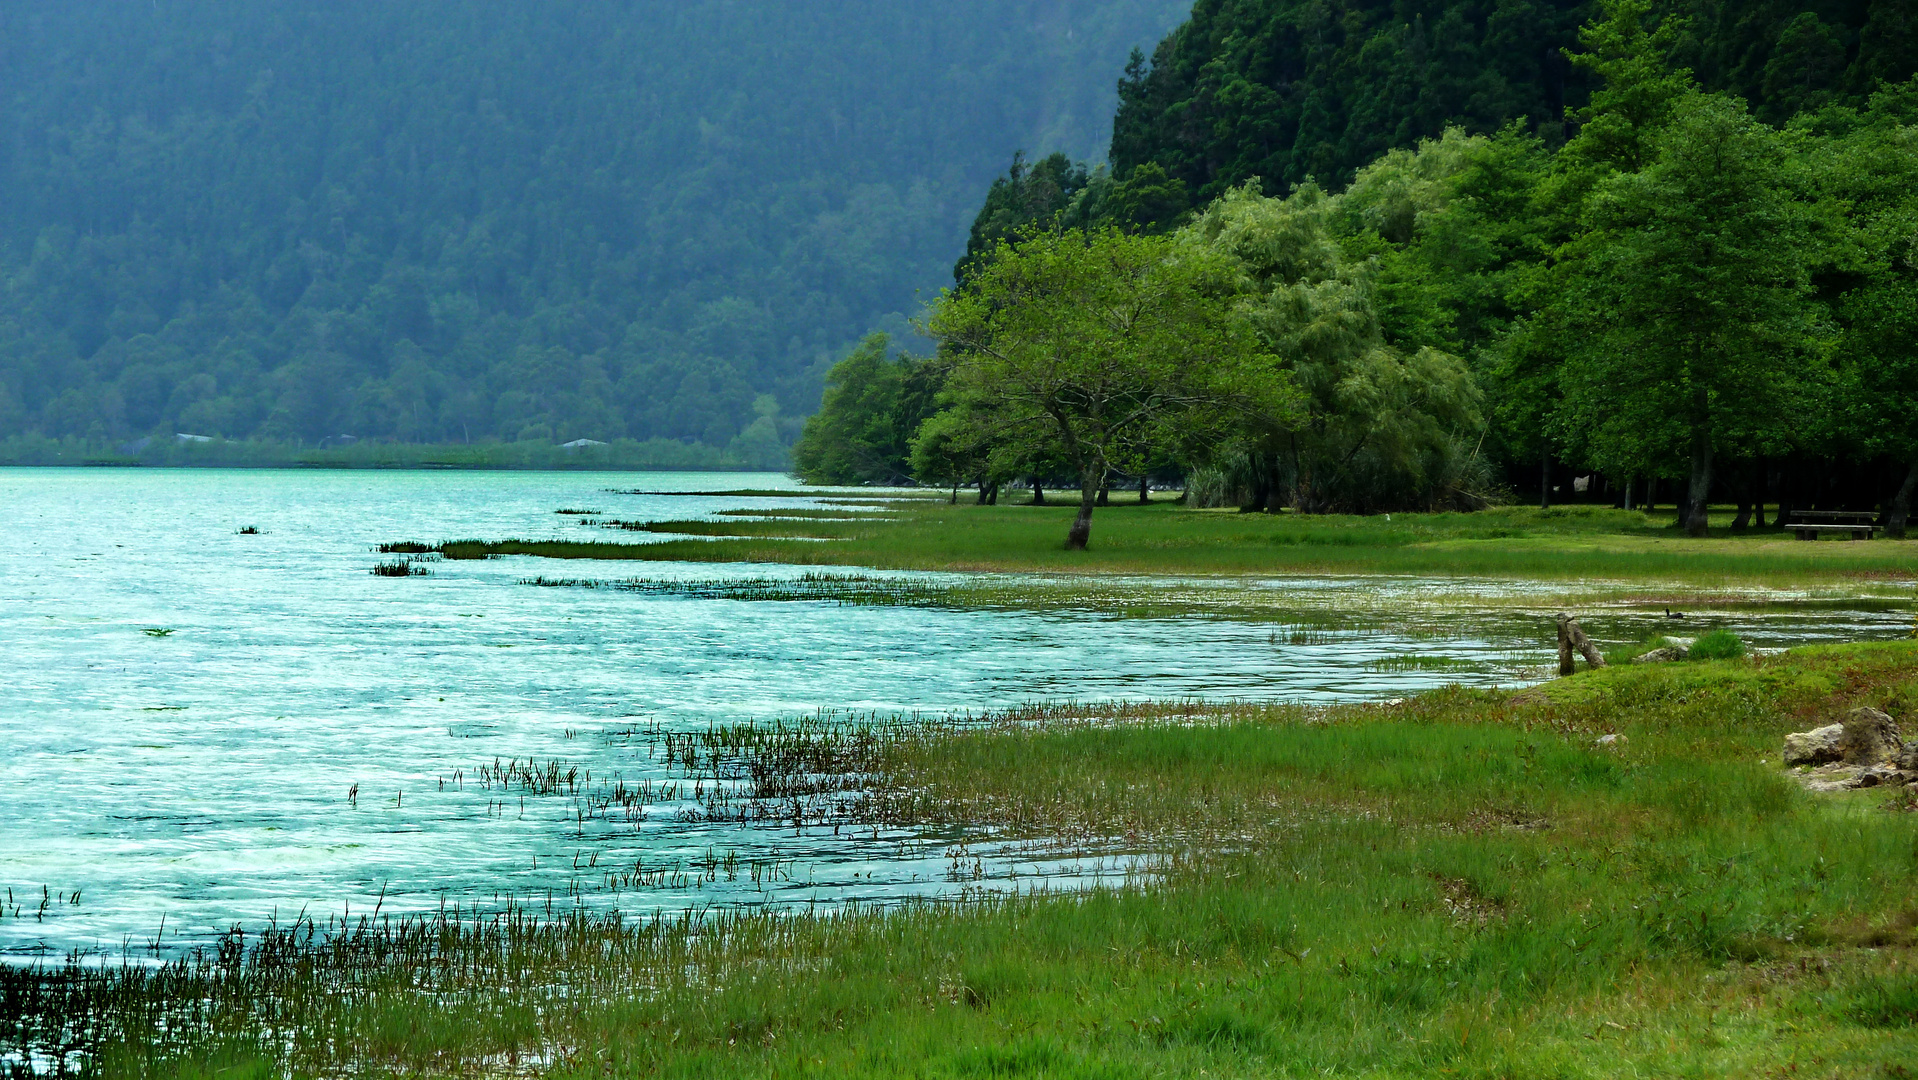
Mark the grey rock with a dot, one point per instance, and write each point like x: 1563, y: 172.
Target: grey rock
x: 1870, y: 738
x: 1816, y: 747
x: 1659, y: 656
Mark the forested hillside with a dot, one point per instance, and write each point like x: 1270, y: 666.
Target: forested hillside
x: 1290, y: 89
x: 443, y: 221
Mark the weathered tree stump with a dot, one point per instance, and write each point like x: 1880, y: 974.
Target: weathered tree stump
x: 1572, y: 637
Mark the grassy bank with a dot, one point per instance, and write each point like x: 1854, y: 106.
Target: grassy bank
x: 1562, y: 544
x: 1462, y: 884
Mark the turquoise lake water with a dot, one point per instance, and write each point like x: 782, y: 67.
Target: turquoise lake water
x: 159, y: 789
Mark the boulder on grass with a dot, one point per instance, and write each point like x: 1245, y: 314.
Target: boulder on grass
x: 1870, y: 738
x: 1659, y: 656
x: 1817, y: 747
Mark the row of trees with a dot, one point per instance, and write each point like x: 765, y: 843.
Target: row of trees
x: 1679, y: 290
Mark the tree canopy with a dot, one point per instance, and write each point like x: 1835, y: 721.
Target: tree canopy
x: 1096, y: 348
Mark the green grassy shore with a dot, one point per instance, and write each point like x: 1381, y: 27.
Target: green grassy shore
x: 1462, y: 884
x: 1562, y: 544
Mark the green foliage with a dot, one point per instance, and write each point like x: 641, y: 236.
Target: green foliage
x: 1288, y: 90
x: 1383, y: 428
x: 448, y: 223
x: 1716, y: 645
x: 863, y: 430
x: 1098, y: 348
x: 1685, y: 307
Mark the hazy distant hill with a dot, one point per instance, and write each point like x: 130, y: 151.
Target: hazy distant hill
x: 451, y: 219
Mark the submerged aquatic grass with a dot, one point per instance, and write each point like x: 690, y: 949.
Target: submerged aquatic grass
x: 1464, y: 883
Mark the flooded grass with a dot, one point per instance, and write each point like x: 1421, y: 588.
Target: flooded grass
x: 1464, y: 883
x: 400, y: 568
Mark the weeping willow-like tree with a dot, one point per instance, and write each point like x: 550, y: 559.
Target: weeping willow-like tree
x: 1382, y: 427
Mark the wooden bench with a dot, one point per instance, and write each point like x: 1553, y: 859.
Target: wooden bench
x: 1856, y: 525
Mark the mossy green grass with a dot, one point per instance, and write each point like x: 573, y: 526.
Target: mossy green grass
x: 1462, y: 884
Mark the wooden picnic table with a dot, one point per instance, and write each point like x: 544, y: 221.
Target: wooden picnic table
x: 1854, y: 524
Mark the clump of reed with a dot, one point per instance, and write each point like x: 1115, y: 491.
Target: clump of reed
x: 400, y: 568
x: 249, y: 530
x: 576, y: 513
x: 533, y: 777
x: 404, y: 547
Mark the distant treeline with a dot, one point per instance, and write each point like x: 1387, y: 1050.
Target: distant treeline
x: 450, y: 222
x: 1679, y: 284
x: 172, y: 451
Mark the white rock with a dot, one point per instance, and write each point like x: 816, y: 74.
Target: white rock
x: 1815, y: 747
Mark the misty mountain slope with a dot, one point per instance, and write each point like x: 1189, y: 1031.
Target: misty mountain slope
x: 447, y: 220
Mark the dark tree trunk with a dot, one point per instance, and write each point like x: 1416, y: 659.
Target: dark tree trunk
x: 1105, y: 495
x: 982, y: 493
x: 955, y: 493
x: 1038, y: 492
x: 1545, y: 481
x: 1145, y: 493
x: 1274, y: 484
x: 1630, y: 481
x: 1091, y: 485
x: 992, y: 495
x: 1744, y: 519
x: 1261, y: 484
x: 1899, y: 512
x: 1698, y: 495
x: 1758, y: 492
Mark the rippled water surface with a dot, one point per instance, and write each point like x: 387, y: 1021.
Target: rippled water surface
x: 201, y: 776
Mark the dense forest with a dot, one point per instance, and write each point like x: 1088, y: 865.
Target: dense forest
x: 1700, y: 283
x: 459, y: 222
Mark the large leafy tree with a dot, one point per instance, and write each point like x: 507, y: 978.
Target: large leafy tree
x: 1099, y: 347
x: 1684, y: 308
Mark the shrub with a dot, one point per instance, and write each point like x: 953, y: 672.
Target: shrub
x: 1717, y: 645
